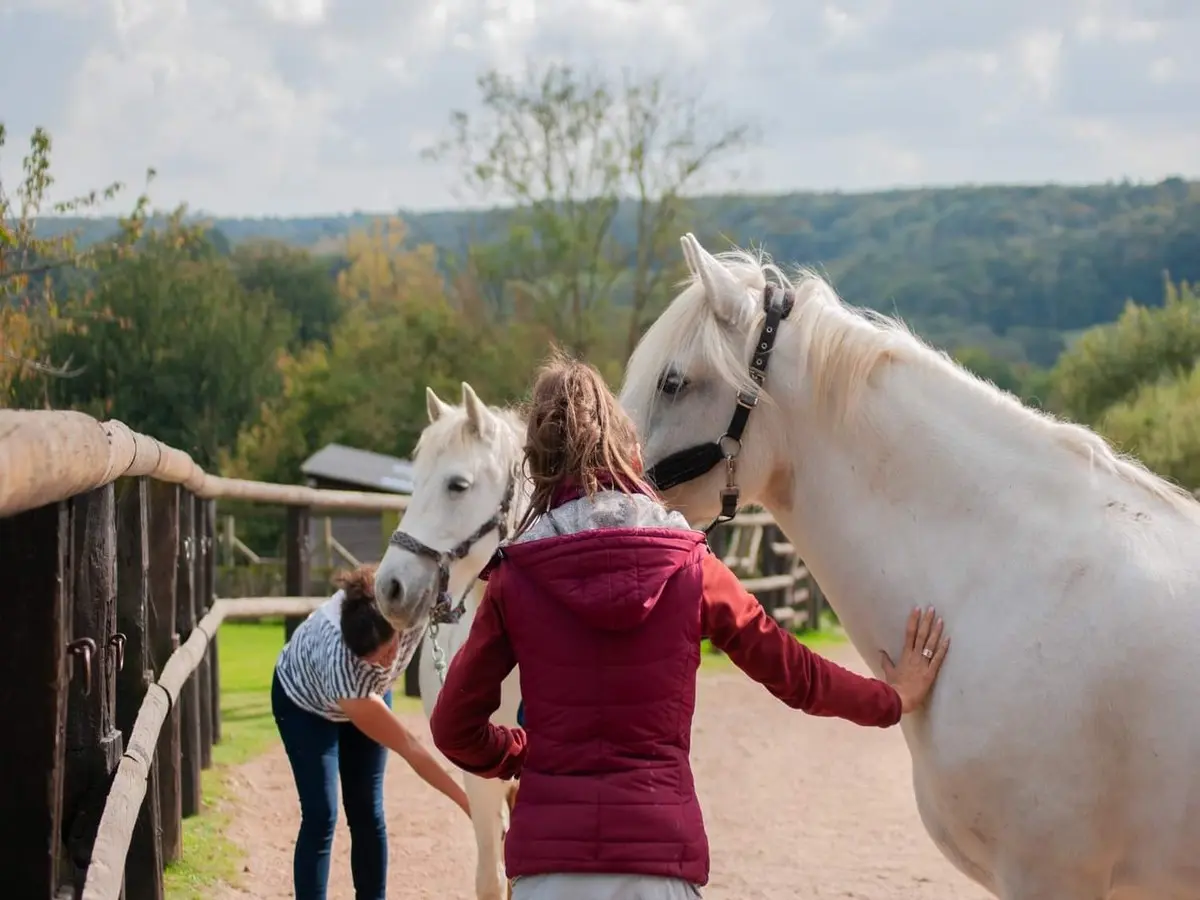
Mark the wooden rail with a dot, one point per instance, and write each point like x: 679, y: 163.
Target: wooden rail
x: 106, y: 873
x: 108, y: 539
x: 50, y: 456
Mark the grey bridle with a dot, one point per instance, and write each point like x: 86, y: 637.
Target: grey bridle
x: 445, y: 611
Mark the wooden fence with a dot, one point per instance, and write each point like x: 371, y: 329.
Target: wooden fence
x: 109, y: 685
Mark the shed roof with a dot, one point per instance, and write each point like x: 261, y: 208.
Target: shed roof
x: 376, y: 471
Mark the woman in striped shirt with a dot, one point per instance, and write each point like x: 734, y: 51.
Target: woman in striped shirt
x: 331, y: 696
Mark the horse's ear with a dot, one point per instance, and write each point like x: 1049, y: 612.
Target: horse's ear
x: 434, y: 405
x: 689, y: 256
x: 478, y: 415
x: 727, y: 296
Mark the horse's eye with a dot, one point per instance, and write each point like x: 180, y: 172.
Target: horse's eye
x: 457, y: 484
x: 672, y: 383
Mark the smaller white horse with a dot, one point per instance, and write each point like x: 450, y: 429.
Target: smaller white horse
x: 468, y: 495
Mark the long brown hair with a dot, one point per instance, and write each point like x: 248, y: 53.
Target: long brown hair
x: 576, y: 432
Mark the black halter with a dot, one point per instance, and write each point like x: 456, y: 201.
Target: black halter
x: 445, y: 611
x: 692, y: 462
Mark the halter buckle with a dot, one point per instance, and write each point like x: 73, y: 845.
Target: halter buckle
x: 747, y: 399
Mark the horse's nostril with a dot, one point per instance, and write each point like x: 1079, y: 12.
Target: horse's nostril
x: 394, y: 591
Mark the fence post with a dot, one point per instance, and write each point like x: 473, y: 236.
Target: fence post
x: 164, y: 554
x: 33, y: 595
x: 144, y: 861
x: 296, y: 574
x: 93, y: 745
x: 189, y: 697
x: 210, y: 596
x: 202, y: 676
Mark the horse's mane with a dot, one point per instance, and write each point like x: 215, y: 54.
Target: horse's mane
x: 843, y: 347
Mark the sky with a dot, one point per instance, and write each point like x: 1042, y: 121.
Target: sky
x: 308, y: 107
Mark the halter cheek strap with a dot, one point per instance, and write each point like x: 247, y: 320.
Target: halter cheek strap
x: 445, y: 611
x: 692, y: 462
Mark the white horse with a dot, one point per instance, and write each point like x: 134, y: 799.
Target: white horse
x: 1059, y: 755
x: 468, y: 495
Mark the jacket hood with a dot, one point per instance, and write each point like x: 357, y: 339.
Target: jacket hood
x: 607, y: 558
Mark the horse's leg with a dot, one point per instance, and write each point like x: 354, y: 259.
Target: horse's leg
x: 488, y: 814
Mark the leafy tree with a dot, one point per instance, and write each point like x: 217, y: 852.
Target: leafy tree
x: 400, y: 332
x: 184, y: 353
x: 565, y: 148
x: 301, y: 284
x: 33, y: 268
x: 1109, y: 363
x: 1160, y: 423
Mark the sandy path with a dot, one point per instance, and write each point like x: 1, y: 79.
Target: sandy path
x: 797, y: 807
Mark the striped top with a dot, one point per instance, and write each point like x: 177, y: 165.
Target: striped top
x: 316, y: 669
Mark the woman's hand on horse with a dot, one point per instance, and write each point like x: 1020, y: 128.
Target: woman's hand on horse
x: 924, y: 651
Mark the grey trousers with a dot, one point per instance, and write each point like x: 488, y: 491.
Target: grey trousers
x: 602, y: 887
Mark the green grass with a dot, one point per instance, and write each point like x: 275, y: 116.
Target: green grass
x: 247, y: 652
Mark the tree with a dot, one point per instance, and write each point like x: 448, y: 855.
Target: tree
x: 1160, y: 424
x: 33, y: 267
x: 184, y: 352
x: 566, y: 149
x: 400, y: 332
x: 303, y: 286
x: 1109, y: 363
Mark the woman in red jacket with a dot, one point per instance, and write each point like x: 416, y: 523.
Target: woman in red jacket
x: 603, y: 597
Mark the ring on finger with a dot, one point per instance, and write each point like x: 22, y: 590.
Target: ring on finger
x: 927, y: 653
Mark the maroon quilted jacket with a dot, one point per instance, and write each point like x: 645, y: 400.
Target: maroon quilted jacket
x: 604, y: 602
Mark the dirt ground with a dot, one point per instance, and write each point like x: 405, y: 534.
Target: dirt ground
x: 796, y: 807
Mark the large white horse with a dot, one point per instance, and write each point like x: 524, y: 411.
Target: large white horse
x: 1059, y: 755
x: 468, y: 495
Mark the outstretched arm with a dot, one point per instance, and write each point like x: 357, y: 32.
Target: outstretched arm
x: 461, y: 718
x: 738, y: 625
x: 372, y: 717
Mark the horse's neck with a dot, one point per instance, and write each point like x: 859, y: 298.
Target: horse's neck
x: 922, y: 498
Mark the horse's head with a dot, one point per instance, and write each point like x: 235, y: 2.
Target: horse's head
x: 683, y: 379
x: 466, y: 467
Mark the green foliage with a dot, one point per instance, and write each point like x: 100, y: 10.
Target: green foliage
x: 564, y: 148
x: 400, y: 332
x: 35, y: 266
x: 1109, y: 363
x: 300, y: 284
x: 174, y: 345
x: 1160, y: 424
x: 1007, y: 268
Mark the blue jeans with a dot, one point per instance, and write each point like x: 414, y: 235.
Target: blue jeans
x: 318, y: 750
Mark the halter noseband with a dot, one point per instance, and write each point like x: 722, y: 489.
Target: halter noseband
x: 445, y: 611
x: 692, y: 462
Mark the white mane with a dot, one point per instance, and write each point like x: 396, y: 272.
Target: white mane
x: 842, y: 347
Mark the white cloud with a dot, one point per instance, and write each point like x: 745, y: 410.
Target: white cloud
x: 289, y: 106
